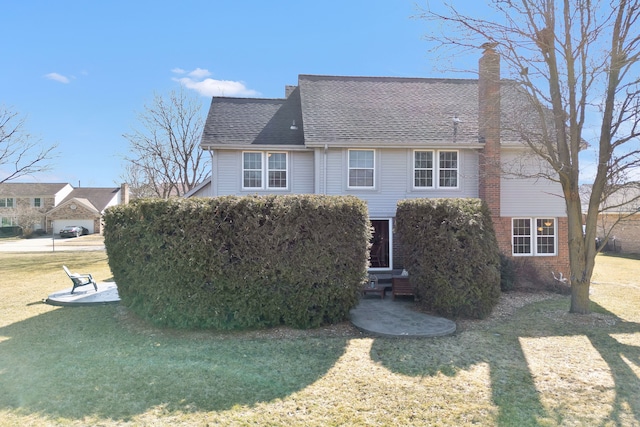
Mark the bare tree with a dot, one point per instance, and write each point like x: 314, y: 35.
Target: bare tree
x: 578, y: 62
x: 20, y: 153
x: 165, y: 155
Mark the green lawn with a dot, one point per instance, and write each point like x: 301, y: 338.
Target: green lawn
x: 101, y: 365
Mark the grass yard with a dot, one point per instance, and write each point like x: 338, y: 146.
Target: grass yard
x: 102, y: 366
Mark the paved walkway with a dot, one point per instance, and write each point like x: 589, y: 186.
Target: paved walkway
x: 85, y: 295
x: 389, y: 318
x: 376, y: 316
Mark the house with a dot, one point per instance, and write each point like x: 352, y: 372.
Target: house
x: 384, y: 139
x: 618, y: 220
x: 50, y: 207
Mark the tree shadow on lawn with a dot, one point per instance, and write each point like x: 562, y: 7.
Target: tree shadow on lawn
x: 513, y: 385
x: 79, y: 362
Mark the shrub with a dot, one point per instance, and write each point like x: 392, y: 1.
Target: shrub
x: 239, y: 262
x: 507, y: 274
x: 451, y: 253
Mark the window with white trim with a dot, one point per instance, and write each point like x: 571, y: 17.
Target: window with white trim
x: 264, y: 170
x: 37, y: 202
x: 361, y: 168
x: 425, y: 168
x: 534, y: 236
x: 6, y: 202
x: 448, y: 169
x: 6, y: 222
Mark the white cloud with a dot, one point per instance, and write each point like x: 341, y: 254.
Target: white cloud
x: 57, y: 77
x: 196, y: 80
x: 199, y: 73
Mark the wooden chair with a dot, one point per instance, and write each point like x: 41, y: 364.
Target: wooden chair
x: 80, y: 279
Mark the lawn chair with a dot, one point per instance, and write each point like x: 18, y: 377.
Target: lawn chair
x: 80, y: 279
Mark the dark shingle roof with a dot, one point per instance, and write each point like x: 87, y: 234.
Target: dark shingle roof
x: 342, y: 110
x: 387, y: 109
x: 254, y: 121
x: 26, y: 189
x: 98, y: 197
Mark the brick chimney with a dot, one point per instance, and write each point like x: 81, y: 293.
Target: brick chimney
x: 124, y: 194
x: 489, y: 128
x: 288, y: 90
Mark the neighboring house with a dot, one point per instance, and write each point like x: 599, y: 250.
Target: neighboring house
x: 619, y: 219
x: 384, y: 139
x: 29, y: 201
x: 50, y: 207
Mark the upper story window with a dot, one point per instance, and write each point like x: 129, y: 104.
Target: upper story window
x: 534, y: 236
x: 361, y: 168
x: 262, y: 170
x: 448, y: 169
x: 425, y: 168
x: 7, y: 202
x: 37, y: 202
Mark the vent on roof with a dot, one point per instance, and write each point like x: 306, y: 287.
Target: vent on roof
x: 456, y: 122
x: 293, y: 126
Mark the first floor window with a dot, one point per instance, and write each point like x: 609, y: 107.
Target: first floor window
x: 6, y: 202
x: 7, y: 222
x: 255, y: 165
x: 361, y: 168
x: 534, y: 236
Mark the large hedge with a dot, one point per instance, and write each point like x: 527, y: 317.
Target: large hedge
x: 451, y: 253
x: 239, y: 262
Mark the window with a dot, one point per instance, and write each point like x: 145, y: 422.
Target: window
x: 6, y: 202
x: 254, y: 167
x: 425, y: 168
x: 538, y: 240
x: 6, y: 222
x: 448, y: 169
x: 277, y: 169
x: 361, y: 168
x: 37, y: 202
x: 252, y: 170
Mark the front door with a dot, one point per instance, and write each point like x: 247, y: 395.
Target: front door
x: 381, y: 247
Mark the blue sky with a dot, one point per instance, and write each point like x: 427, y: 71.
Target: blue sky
x: 81, y: 71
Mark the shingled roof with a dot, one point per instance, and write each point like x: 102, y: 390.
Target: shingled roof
x: 28, y: 189
x: 99, y: 197
x: 254, y: 121
x: 371, y: 111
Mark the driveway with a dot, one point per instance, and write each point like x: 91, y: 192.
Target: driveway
x: 92, y: 242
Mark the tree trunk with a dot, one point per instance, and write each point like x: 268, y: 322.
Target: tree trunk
x: 580, y: 303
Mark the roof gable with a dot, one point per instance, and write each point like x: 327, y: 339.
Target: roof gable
x: 254, y: 121
x: 98, y: 197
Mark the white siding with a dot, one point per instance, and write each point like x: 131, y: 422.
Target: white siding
x: 394, y: 179
x: 521, y: 196
x: 227, y: 170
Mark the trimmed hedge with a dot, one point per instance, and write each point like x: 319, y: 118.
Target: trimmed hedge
x: 239, y: 262
x: 451, y: 253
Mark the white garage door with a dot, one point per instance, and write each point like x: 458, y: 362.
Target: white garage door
x: 59, y: 224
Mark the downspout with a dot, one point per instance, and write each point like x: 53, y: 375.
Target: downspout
x: 212, y: 192
x: 324, y: 173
